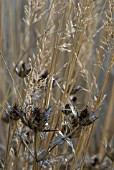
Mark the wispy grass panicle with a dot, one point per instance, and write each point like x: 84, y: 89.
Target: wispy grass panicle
x: 56, y: 69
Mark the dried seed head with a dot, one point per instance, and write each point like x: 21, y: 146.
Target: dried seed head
x: 87, y: 117
x: 15, y: 112
x: 23, y: 72
x: 95, y: 160
x: 74, y: 99
x: 67, y: 110
x: 39, y: 119
x: 84, y: 113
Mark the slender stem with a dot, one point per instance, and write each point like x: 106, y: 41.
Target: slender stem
x: 35, y: 151
x: 6, y: 157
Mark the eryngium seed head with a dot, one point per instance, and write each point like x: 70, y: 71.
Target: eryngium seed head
x: 39, y: 119
x: 15, y: 112
x: 87, y: 117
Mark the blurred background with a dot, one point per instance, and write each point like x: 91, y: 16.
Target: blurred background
x: 18, y: 39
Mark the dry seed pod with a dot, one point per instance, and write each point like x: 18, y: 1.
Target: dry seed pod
x: 38, y: 119
x: 23, y: 72
x: 95, y: 161
x: 92, y: 162
x: 87, y: 117
x: 67, y: 110
x: 15, y: 112
x: 74, y: 99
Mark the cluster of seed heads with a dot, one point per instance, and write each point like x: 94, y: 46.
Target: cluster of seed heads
x: 78, y: 121
x: 36, y: 119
